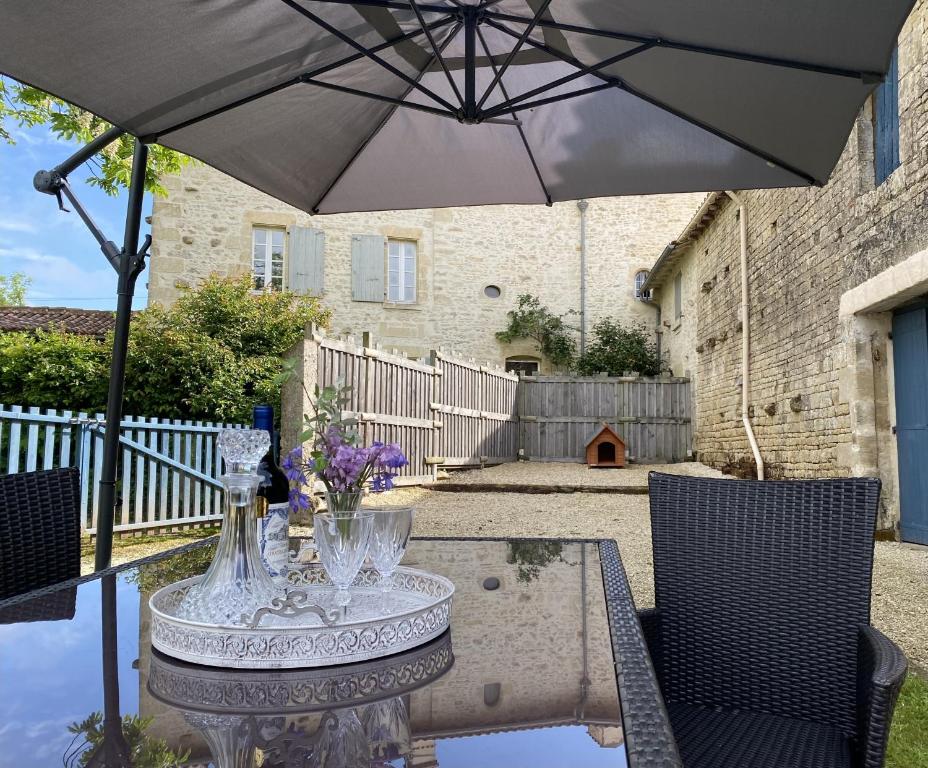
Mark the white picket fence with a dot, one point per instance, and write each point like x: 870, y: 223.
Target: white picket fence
x: 169, y: 468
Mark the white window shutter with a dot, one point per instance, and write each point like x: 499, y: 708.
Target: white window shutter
x: 367, y: 259
x: 306, y: 270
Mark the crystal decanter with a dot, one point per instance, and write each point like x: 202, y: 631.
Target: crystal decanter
x: 237, y: 583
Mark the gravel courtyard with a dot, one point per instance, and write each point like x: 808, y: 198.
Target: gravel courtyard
x: 900, y: 579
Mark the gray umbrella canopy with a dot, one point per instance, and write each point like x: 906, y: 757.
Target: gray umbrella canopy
x: 385, y: 104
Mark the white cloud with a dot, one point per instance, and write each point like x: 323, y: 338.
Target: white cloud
x: 58, y: 276
x: 13, y: 223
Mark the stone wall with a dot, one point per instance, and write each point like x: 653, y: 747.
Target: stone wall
x: 820, y: 394
x: 204, y: 226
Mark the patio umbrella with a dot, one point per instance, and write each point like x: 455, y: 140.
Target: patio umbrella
x: 352, y: 105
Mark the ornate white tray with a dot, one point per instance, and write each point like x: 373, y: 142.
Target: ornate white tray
x: 288, y: 692
x: 285, y: 635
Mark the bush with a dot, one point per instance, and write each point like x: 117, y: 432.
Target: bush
x: 53, y: 369
x: 616, y: 349
x: 553, y: 337
x: 211, y: 356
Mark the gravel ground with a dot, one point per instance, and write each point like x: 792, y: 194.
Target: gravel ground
x: 551, y: 473
x: 900, y: 578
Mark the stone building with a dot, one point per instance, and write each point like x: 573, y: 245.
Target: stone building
x: 416, y: 279
x: 836, y: 276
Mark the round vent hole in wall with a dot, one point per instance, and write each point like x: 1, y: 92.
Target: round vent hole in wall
x: 492, y: 292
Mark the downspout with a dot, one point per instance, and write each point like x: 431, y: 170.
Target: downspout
x: 658, y: 328
x: 746, y: 335
x: 582, y: 205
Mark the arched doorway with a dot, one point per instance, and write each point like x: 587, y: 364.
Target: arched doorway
x: 605, y: 453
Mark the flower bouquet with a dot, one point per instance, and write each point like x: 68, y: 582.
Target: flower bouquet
x: 337, y: 459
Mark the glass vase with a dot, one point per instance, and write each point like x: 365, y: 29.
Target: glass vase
x: 237, y: 583
x: 343, y: 502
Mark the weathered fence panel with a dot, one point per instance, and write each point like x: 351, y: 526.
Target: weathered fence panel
x: 477, y: 408
x: 444, y: 411
x: 168, y: 474
x: 558, y: 415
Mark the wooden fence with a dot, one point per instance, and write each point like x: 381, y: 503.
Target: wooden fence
x: 169, y: 469
x: 443, y: 411
x: 558, y: 415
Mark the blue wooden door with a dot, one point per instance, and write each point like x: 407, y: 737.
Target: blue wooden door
x: 910, y: 358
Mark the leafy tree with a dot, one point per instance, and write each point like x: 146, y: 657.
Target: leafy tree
x: 216, y: 352
x: 212, y: 356
x: 553, y: 337
x: 13, y: 289
x: 111, y: 169
x: 616, y: 348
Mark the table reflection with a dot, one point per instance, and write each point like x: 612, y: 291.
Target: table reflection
x: 525, y: 677
x: 354, y: 716
x: 532, y: 653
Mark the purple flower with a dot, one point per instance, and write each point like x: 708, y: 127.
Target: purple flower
x: 389, y: 455
x: 382, y: 482
x: 347, y: 463
x: 298, y: 500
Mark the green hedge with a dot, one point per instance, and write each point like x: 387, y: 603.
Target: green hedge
x: 211, y: 356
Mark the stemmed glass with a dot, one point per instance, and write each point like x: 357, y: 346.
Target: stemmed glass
x: 391, y: 529
x: 342, y: 541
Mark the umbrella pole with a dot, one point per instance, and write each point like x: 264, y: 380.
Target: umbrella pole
x: 131, y: 264
x: 128, y: 263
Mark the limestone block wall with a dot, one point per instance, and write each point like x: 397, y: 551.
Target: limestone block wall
x: 204, y: 226
x: 820, y: 397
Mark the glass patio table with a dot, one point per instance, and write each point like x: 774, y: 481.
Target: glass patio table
x: 544, y: 665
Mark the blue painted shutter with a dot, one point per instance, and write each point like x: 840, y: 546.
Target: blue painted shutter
x: 367, y: 260
x: 886, y: 123
x: 305, y: 273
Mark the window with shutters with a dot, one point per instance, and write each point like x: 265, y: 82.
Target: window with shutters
x: 886, y: 123
x: 678, y: 296
x: 401, y: 271
x: 267, y: 258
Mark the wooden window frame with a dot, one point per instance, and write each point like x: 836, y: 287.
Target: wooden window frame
x: 402, y: 273
x: 268, y: 258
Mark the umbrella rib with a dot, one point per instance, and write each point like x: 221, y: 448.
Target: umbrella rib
x: 367, y: 52
x: 678, y: 45
x: 503, y: 108
x: 380, y: 97
x: 498, y: 76
x: 618, y: 83
x: 394, y: 4
x: 437, y: 53
x: 293, y: 81
x: 586, y: 70
x: 528, y: 149
x: 379, y: 128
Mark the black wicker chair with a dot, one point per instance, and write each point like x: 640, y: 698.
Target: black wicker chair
x: 39, y: 529
x: 761, y: 634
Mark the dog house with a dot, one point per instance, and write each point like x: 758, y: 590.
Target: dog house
x: 605, y: 449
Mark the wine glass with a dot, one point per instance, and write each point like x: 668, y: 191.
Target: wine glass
x: 391, y: 529
x: 342, y: 541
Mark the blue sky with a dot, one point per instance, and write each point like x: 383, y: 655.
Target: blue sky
x: 55, y: 249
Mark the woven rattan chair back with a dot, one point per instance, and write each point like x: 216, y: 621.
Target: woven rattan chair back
x: 762, y: 588
x: 39, y: 529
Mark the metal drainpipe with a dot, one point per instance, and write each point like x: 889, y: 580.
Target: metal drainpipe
x: 582, y: 205
x: 746, y: 335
